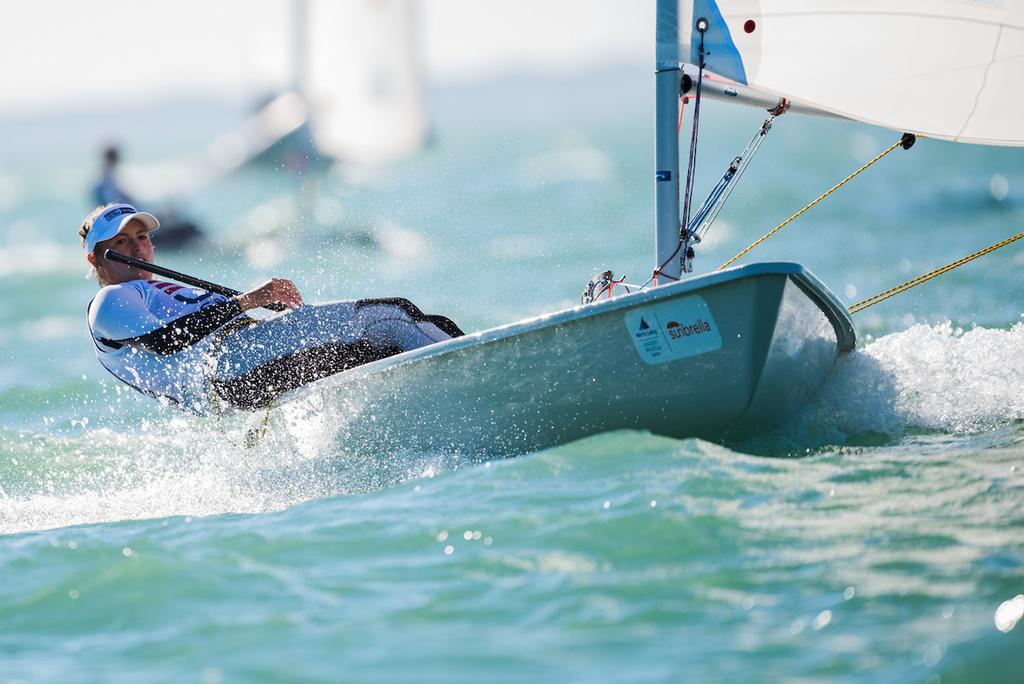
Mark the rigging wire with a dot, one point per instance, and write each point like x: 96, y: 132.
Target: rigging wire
x: 702, y: 27
x: 716, y: 199
x: 914, y: 282
x: 710, y: 208
x: 906, y: 142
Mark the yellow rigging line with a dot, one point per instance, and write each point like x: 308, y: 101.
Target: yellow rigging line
x: 906, y: 141
x: 253, y: 436
x: 903, y: 287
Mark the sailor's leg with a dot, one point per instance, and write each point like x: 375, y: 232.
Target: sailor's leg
x: 257, y: 362
x: 385, y: 325
x: 284, y: 334
x: 260, y: 385
x: 432, y: 331
x: 444, y: 323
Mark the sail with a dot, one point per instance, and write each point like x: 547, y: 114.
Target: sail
x: 362, y: 78
x: 949, y: 69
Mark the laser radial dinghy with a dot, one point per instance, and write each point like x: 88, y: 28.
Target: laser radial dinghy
x: 731, y: 352
x: 727, y: 353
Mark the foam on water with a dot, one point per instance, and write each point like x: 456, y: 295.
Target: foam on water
x: 573, y: 562
x: 181, y: 466
x: 937, y: 377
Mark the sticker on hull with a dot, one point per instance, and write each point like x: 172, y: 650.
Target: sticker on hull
x: 673, y: 330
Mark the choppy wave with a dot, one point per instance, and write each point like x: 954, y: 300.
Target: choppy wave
x: 935, y: 378
x: 539, y: 562
x: 928, y: 378
x: 180, y: 466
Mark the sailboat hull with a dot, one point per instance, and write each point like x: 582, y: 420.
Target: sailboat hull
x: 724, y: 354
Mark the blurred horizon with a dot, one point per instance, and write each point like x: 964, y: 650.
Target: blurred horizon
x: 189, y: 76
x: 236, y: 49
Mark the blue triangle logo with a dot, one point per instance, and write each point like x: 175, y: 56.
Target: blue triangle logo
x: 643, y: 325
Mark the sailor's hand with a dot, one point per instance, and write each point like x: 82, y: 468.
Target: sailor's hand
x: 276, y: 291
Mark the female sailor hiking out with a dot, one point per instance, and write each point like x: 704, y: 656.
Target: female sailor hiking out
x: 183, y: 344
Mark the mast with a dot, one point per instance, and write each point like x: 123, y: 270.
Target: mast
x: 299, y: 51
x: 666, y: 139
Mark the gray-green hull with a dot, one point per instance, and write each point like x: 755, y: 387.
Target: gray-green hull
x: 729, y: 353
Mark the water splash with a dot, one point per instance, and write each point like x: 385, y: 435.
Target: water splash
x: 182, y: 467
x: 939, y: 378
x: 935, y: 378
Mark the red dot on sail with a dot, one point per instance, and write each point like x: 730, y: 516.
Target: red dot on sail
x: 749, y: 26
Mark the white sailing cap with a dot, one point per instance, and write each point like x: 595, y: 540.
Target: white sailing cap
x: 110, y: 222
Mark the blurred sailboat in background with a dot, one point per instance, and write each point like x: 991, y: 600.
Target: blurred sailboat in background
x: 355, y: 95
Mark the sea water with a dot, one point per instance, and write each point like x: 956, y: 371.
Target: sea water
x: 876, y: 536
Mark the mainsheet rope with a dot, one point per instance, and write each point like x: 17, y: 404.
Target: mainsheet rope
x: 253, y: 436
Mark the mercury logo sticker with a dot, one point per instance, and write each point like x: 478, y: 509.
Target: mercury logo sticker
x: 689, y: 329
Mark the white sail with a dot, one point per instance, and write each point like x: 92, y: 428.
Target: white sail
x: 950, y: 69
x: 362, y: 78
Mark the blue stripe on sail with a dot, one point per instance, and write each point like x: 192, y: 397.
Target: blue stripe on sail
x: 724, y: 59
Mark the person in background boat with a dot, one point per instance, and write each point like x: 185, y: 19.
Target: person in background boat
x: 162, y: 338
x: 109, y: 190
x: 178, y: 231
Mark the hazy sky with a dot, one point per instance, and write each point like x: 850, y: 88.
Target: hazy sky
x: 63, y: 52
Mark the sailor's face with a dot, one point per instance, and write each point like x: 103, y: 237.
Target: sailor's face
x: 133, y: 241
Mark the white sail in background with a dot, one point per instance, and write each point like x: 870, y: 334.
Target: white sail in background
x: 950, y: 69
x: 362, y: 78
